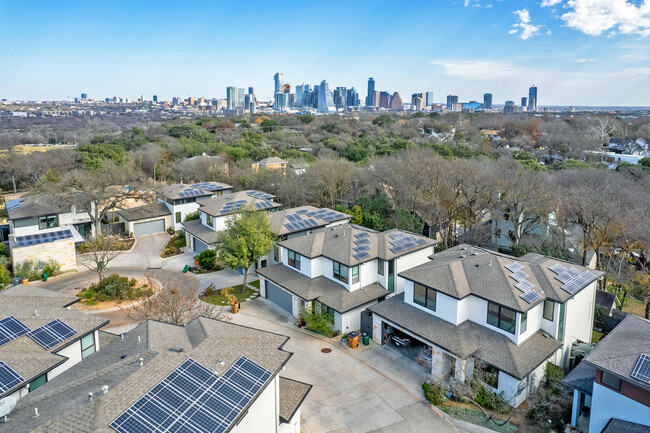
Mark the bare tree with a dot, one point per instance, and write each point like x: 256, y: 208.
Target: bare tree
x: 101, y: 251
x: 331, y: 181
x: 602, y: 127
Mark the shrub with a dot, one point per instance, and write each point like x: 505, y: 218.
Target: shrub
x: 491, y: 400
x: 210, y: 290
x: 208, y: 259
x: 192, y: 216
x: 180, y: 241
x: 27, y: 269
x: 3, y: 250
x: 52, y: 268
x: 5, y: 277
x: 434, y: 393
x: 318, y: 322
x: 115, y: 287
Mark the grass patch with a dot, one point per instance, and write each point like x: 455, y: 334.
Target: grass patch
x: 595, y: 336
x: 634, y: 306
x: 215, y: 297
x: 476, y: 417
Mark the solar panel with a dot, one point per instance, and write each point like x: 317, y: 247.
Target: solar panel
x: 519, y: 276
x: 567, y: 275
x: 397, y: 249
x: 642, y: 368
x: 10, y: 329
x: 259, y: 194
x: 525, y: 285
x: 294, y: 217
x: 514, y: 267
x: 8, y: 377
x: 578, y: 282
x: 12, y: 204
x: 361, y: 255
x: 193, y: 399
x: 530, y: 296
x: 361, y: 248
x: 52, y: 333
x: 361, y: 235
x: 42, y: 238
x: 557, y: 268
x: 302, y: 211
x: 330, y: 216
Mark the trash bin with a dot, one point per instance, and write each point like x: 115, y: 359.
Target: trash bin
x: 353, y: 339
x: 186, y: 268
x: 45, y: 275
x: 366, y: 339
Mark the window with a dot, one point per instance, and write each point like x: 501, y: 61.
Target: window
x: 380, y: 266
x: 209, y: 220
x: 325, y: 311
x: 560, y: 326
x: 424, y: 296
x: 79, y: 210
x: 38, y: 382
x: 524, y: 323
x: 340, y: 272
x: 294, y: 259
x: 219, y: 192
x: 548, y: 310
x: 501, y: 317
x: 88, y: 345
x: 610, y: 380
x: 178, y: 217
x: 355, y: 274
x: 276, y: 253
x: 48, y: 222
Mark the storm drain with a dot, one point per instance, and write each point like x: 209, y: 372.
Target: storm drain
x: 326, y: 350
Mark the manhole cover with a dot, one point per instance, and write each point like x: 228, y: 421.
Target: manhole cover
x: 326, y: 350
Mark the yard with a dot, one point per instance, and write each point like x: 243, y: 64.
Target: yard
x: 215, y: 297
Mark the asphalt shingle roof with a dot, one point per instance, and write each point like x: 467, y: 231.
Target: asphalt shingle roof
x: 582, y: 378
x: 272, y: 161
x: 198, y: 230
x: 213, y: 206
x: 292, y: 394
x: 619, y: 426
x: 172, y: 191
x: 35, y: 206
x: 145, y: 211
x: 469, y: 338
x: 328, y: 292
x: 279, y: 219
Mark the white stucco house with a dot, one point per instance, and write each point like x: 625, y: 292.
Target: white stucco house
x: 341, y: 271
x: 506, y: 315
x: 182, y: 199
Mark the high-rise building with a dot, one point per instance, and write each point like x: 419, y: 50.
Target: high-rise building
x: 370, y: 102
x: 340, y: 97
x: 84, y: 96
x: 231, y: 97
x: 251, y: 91
x: 532, y: 98
x: 417, y: 101
x: 278, y: 78
x: 487, y: 101
x: 384, y: 100
x: 396, y: 102
x: 524, y: 102
x: 352, y: 98
x: 300, y: 88
x: 510, y: 107
x: 325, y: 100
x: 241, y: 93
x: 155, y: 99
x: 429, y: 100
x: 451, y: 99
x: 374, y: 101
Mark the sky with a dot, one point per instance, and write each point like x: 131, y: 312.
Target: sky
x: 577, y: 52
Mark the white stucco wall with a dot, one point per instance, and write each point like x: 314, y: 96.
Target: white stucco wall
x: 73, y: 353
x: 184, y: 209
x: 293, y: 426
x: 407, y: 262
x: 446, y: 306
x: 607, y: 404
x: 351, y: 320
x: 262, y: 416
x: 578, y: 321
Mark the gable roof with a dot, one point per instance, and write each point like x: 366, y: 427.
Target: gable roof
x: 178, y: 190
x: 218, y: 206
x: 338, y: 242
x: 35, y: 206
x: 465, y: 270
x: 145, y: 211
x: 280, y: 219
x: 272, y: 161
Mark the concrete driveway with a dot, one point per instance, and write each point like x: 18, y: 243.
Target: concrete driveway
x: 369, y: 389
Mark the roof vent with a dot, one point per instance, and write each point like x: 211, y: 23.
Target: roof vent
x: 473, y: 252
x: 90, y: 396
x: 141, y: 361
x: 176, y: 349
x: 104, y: 389
x: 35, y: 312
x: 35, y: 412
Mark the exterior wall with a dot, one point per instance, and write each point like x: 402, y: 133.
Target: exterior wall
x: 515, y: 391
x: 578, y: 321
x: 305, y: 263
x: 534, y: 322
x: 407, y: 262
x: 367, y: 274
x: 29, y: 226
x: 73, y: 353
x: 293, y: 426
x: 607, y: 404
x: 351, y: 320
x: 447, y: 308
x: 184, y: 209
x: 262, y: 416
x: 63, y: 251
x: 129, y: 226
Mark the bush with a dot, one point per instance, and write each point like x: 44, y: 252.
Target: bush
x: 3, y: 250
x: 28, y: 269
x: 434, y: 393
x: 192, y: 216
x: 317, y: 322
x: 113, y: 288
x: 208, y: 260
x: 5, y: 277
x: 491, y: 400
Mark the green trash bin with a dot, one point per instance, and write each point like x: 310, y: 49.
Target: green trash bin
x: 186, y: 268
x: 366, y: 339
x: 45, y: 275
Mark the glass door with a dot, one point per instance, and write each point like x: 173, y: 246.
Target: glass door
x: 391, y: 276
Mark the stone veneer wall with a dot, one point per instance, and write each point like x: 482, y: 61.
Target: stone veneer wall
x: 63, y: 251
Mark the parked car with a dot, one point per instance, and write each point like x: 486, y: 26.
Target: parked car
x: 401, y: 340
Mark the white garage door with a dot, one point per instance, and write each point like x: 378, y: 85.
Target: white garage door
x: 149, y: 227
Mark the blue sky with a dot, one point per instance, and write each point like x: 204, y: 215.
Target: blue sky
x: 578, y: 52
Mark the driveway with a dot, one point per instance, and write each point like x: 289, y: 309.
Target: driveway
x: 369, y: 389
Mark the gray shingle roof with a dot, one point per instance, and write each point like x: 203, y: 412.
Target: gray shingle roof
x: 279, y: 219
x: 145, y: 211
x: 197, y: 229
x: 328, y: 292
x: 271, y: 161
x: 172, y: 191
x: 582, y: 378
x: 292, y: 394
x: 213, y: 206
x: 337, y: 243
x: 619, y: 426
x: 63, y: 402
x: 464, y: 270
x: 469, y: 338
x: 35, y: 206
x: 620, y: 350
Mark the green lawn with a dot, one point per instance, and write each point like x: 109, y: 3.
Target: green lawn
x: 595, y: 336
x: 476, y: 417
x: 634, y: 306
x: 218, y: 299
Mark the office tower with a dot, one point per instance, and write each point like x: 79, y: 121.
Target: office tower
x: 155, y: 99
x: 532, y: 98
x: 510, y: 107
x: 396, y: 102
x: 278, y: 78
x: 84, y: 96
x: 325, y: 100
x: 417, y: 101
x: 429, y: 97
x: 352, y: 98
x: 524, y: 102
x: 251, y: 91
x: 340, y: 97
x: 281, y: 102
x: 231, y: 97
x: 487, y: 101
x: 451, y: 99
x: 370, y: 101
x: 374, y: 101
x: 384, y: 99
x: 241, y: 93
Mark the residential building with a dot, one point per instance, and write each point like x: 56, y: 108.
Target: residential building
x: 201, y: 234
x: 183, y: 199
x: 341, y: 270
x: 532, y: 99
x: 611, y: 386
x: 41, y: 337
x: 205, y: 376
x: 370, y: 102
x: 470, y: 308
x: 278, y: 81
x: 325, y: 101
x: 429, y: 101
x: 487, y: 101
x: 451, y: 99
x: 271, y: 163
x: 231, y: 97
x: 146, y: 219
x: 396, y: 102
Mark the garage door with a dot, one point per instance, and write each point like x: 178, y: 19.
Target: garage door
x: 199, y: 246
x: 149, y: 227
x: 278, y: 296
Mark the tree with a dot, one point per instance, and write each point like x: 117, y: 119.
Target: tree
x: 101, y: 251
x: 331, y: 180
x: 246, y: 240
x: 95, y: 156
x: 382, y: 120
x: 306, y: 118
x: 270, y: 125
x: 173, y: 304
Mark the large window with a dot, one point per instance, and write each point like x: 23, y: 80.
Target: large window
x: 178, y: 217
x: 424, y: 296
x: 38, y: 382
x: 209, y: 220
x: 610, y: 380
x: 88, y: 345
x: 549, y: 306
x: 380, y: 266
x: 501, y: 317
x: 294, y: 259
x: 524, y: 323
x: 355, y: 274
x: 48, y: 222
x: 276, y: 253
x: 342, y: 272
x: 325, y: 311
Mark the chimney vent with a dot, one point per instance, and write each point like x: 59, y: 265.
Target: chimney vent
x: 104, y: 389
x: 176, y: 349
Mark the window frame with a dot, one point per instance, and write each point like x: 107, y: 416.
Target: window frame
x: 48, y: 222
x: 209, y: 219
x: 179, y: 217
x: 430, y: 297
x: 512, y: 328
x: 355, y: 276
x: 42, y: 376
x: 552, y: 304
x: 611, y: 385
x: 380, y: 267
x: 523, y: 323
x: 337, y: 272
x: 276, y: 253
x: 294, y: 261
x: 85, y: 351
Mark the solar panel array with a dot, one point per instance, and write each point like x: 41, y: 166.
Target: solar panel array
x: 514, y: 267
x: 530, y: 296
x: 209, y: 186
x: 558, y: 268
x: 232, y: 206
x: 11, y: 328
x: 567, y: 275
x: 12, y: 204
x: 525, y: 285
x: 42, y: 238
x: 302, y: 211
x: 8, y: 377
x: 402, y: 242
x: 642, y: 368
x: 361, y: 235
x: 52, y: 333
x: 191, y: 192
x: 264, y: 204
x: 519, y: 276
x: 326, y: 214
x: 301, y: 224
x: 193, y: 399
x: 578, y: 282
x: 260, y: 194
x: 362, y: 245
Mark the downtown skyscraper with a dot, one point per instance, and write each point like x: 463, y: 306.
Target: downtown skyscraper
x: 371, y: 91
x: 532, y: 98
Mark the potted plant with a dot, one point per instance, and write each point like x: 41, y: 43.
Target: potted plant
x: 230, y: 297
x: 196, y: 260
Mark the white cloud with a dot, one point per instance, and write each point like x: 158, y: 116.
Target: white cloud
x: 472, y: 3
x: 524, y: 28
x: 594, y: 17
x: 584, y: 60
x: 546, y: 3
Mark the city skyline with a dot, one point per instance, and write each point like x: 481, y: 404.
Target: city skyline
x: 481, y: 46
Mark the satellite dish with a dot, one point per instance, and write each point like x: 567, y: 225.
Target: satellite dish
x: 7, y: 404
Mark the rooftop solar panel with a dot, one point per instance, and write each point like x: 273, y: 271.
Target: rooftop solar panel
x: 578, y: 282
x: 642, y: 368
x: 52, y: 333
x: 514, y: 267
x: 519, y: 276
x: 42, y: 238
x: 530, y: 296
x: 10, y: 329
x: 567, y: 275
x: 361, y: 255
x: 293, y: 217
x: 361, y: 241
x: 525, y: 285
x: 8, y: 377
x: 12, y: 204
x: 361, y: 248
x: 302, y: 211
x: 361, y: 235
x: 557, y: 268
